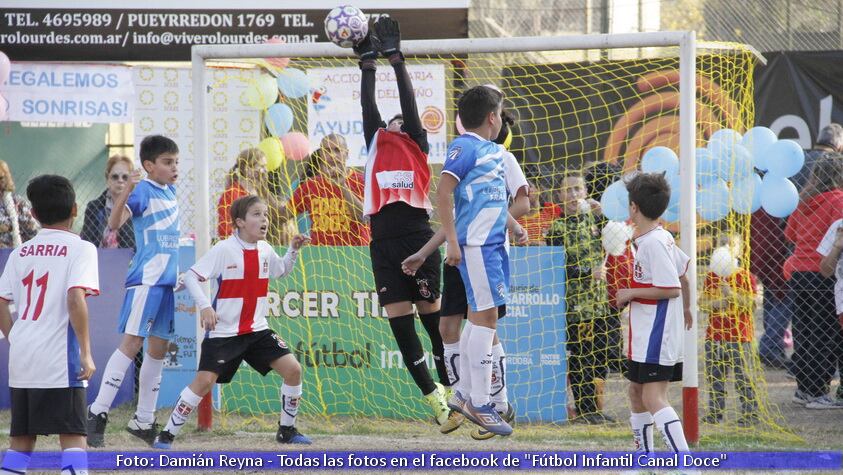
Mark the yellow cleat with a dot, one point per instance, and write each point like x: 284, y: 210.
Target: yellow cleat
x: 436, y: 400
x: 455, y: 420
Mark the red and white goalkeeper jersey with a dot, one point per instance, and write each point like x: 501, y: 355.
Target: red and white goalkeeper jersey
x: 656, y: 326
x: 44, y: 352
x: 396, y: 170
x: 242, y: 271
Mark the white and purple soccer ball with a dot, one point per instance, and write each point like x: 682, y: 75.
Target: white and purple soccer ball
x: 346, y: 25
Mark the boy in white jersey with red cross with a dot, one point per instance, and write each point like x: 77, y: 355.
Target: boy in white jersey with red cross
x: 659, y: 309
x: 236, y: 323
x: 48, y: 278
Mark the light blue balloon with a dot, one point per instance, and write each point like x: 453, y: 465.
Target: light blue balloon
x: 756, y: 140
x: 739, y: 165
x: 278, y: 119
x: 671, y: 214
x: 784, y: 158
x: 727, y: 136
x: 746, y: 194
x: 293, y: 83
x: 713, y: 200
x: 707, y: 166
x: 615, y: 202
x: 675, y: 190
x: 778, y: 196
x: 660, y: 159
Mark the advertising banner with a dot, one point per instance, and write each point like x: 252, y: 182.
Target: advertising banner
x: 158, y: 30
x: 337, y: 110
x: 69, y: 93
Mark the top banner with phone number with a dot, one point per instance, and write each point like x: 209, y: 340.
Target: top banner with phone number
x: 143, y: 34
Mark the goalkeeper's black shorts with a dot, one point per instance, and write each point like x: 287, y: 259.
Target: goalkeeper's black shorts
x: 392, y: 284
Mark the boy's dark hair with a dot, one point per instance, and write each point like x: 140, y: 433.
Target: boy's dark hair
x: 241, y: 206
x: 152, y: 146
x: 52, y: 198
x: 395, y: 117
x: 650, y: 192
x: 476, y: 104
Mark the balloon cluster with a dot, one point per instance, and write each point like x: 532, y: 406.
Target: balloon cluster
x: 5, y: 69
x: 263, y: 94
x: 726, y: 176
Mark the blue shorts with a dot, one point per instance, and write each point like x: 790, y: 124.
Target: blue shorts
x: 485, y: 274
x: 148, y: 310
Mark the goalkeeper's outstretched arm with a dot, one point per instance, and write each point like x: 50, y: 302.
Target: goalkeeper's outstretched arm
x: 367, y: 50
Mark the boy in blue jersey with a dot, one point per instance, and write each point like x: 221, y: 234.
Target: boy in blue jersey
x: 148, y: 307
x: 474, y: 174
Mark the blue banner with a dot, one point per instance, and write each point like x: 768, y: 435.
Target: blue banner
x: 447, y: 461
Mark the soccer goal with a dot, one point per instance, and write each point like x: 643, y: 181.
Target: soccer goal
x: 587, y: 105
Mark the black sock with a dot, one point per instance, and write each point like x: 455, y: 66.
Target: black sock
x: 404, y: 330
x: 431, y: 324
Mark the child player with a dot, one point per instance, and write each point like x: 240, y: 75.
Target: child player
x: 148, y: 307
x: 236, y: 323
x: 659, y: 309
x: 395, y: 199
x: 48, y: 278
x: 474, y: 174
x: 455, y: 304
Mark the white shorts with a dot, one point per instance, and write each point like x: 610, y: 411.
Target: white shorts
x: 485, y: 274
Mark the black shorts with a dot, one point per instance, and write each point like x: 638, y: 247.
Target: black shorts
x: 454, y: 301
x: 224, y: 355
x: 37, y: 411
x: 392, y: 284
x: 650, y: 373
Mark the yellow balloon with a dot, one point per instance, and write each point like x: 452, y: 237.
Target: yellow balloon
x: 274, y: 151
x: 262, y: 93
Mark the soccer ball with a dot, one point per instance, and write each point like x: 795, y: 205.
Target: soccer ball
x: 346, y: 25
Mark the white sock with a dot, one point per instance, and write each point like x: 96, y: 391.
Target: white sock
x: 74, y: 462
x: 498, y: 387
x: 464, y: 384
x: 642, y: 431
x: 188, y: 400
x: 149, y: 382
x: 668, y: 423
x: 112, y: 378
x: 452, y: 362
x: 480, y: 358
x: 290, y: 396
x: 14, y: 462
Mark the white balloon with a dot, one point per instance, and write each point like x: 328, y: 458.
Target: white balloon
x: 722, y: 262
x: 614, y: 237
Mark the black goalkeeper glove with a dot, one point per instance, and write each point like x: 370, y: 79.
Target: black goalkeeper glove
x: 389, y: 34
x: 367, y: 48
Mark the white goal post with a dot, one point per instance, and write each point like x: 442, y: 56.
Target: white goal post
x: 685, y: 41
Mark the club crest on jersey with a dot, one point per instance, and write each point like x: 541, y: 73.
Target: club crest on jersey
x: 454, y: 153
x: 424, y: 289
x: 638, y: 272
x: 281, y: 343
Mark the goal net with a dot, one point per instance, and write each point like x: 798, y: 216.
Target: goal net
x: 586, y: 110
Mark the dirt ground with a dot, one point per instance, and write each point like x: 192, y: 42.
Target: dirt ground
x: 796, y: 428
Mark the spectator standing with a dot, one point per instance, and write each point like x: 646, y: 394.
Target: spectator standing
x: 95, y: 228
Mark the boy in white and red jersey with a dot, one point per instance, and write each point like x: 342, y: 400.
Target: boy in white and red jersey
x: 397, y: 183
x: 659, y: 310
x: 48, y: 278
x: 236, y: 322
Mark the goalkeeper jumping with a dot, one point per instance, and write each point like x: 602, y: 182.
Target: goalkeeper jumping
x: 397, y: 182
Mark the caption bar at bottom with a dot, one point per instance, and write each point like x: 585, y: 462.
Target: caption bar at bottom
x: 369, y: 460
